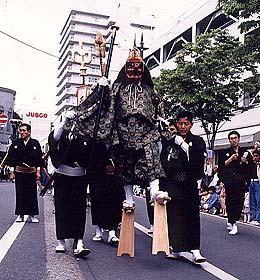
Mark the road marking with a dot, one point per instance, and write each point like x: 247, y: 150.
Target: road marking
x: 219, y: 273
x: 9, y: 237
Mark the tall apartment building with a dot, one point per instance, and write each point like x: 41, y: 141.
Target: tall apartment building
x: 79, y: 27
x: 82, y: 27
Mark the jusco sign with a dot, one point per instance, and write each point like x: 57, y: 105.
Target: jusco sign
x: 37, y: 115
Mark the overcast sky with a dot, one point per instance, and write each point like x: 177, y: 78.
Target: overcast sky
x: 32, y: 74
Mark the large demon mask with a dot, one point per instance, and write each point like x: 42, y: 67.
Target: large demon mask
x: 134, y: 67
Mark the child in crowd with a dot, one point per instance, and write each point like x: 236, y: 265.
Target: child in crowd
x: 222, y: 196
x: 212, y: 206
x: 204, y: 196
x: 246, y: 209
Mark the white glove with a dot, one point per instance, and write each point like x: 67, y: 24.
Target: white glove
x: 103, y: 81
x: 69, y: 115
x: 178, y: 140
x: 60, y: 127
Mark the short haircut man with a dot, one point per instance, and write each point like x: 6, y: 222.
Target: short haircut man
x: 185, y: 114
x: 233, y: 132
x: 28, y: 127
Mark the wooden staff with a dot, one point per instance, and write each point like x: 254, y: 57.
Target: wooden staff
x: 112, y: 42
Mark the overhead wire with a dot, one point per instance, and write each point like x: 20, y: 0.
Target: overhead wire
x: 28, y: 45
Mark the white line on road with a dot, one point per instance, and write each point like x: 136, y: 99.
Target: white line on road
x: 9, y: 237
x: 219, y: 273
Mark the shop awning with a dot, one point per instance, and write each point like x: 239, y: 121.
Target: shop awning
x: 248, y: 136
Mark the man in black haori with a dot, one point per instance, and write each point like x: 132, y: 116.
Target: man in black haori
x: 107, y: 197
x: 69, y: 156
x: 183, y: 169
x: 25, y: 159
x: 234, y: 172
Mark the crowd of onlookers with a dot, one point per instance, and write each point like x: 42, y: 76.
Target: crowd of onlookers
x: 213, y: 196
x: 4, y: 174
x: 211, y: 191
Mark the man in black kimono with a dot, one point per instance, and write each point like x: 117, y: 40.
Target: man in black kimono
x: 69, y: 156
x: 234, y: 172
x: 183, y: 169
x: 25, y: 159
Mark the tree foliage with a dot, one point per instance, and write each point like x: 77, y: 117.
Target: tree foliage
x: 247, y: 10
x: 208, y: 80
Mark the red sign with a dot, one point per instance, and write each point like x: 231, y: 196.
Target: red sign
x: 3, y: 118
x: 37, y: 115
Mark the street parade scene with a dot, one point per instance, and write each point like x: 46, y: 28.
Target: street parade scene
x: 134, y: 151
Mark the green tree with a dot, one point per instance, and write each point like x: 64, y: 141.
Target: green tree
x: 208, y: 80
x: 247, y: 10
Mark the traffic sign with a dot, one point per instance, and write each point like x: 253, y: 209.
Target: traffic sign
x: 3, y: 119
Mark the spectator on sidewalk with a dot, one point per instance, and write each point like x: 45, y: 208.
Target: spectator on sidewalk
x: 212, y: 206
x: 222, y: 197
x: 234, y: 172
x: 204, y: 196
x: 246, y: 209
x: 255, y: 188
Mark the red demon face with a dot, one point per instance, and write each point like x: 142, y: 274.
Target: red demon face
x: 134, y: 70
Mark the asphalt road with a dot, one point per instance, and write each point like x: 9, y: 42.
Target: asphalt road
x: 27, y: 250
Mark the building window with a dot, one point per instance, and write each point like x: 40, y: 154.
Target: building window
x: 93, y: 80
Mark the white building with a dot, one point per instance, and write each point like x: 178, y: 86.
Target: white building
x: 162, y: 52
x: 79, y: 27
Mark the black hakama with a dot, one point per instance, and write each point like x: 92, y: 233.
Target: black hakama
x: 70, y: 206
x: 26, y: 194
x: 106, y: 202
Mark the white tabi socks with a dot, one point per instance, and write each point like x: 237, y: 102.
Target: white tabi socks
x: 99, y: 234
x: 112, y: 238
x: 129, y: 195
x: 80, y: 244
x: 60, y: 248
x: 154, y: 189
x: 160, y: 196
x: 197, y: 257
